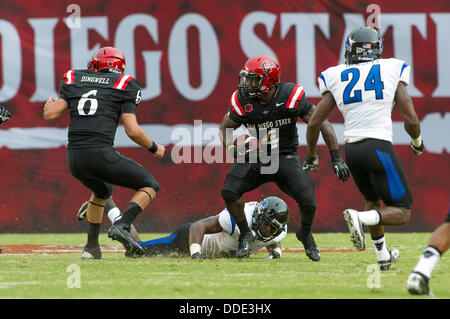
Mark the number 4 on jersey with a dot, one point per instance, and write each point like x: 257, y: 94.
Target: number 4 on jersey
x: 372, y: 83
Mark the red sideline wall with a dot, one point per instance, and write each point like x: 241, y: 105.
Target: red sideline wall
x: 172, y: 45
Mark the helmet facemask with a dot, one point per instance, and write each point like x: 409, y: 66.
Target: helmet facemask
x: 265, y: 224
x: 249, y: 84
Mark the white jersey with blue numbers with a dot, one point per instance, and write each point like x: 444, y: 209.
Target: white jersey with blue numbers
x: 364, y: 94
x: 226, y: 242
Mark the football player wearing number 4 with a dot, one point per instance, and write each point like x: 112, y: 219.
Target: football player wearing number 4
x: 365, y: 89
x: 97, y: 98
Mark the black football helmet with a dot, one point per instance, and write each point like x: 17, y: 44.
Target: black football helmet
x: 270, y: 218
x: 363, y: 45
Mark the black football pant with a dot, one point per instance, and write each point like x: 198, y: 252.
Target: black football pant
x: 101, y: 168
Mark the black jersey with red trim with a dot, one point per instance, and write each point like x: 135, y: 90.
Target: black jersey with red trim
x: 96, y: 101
x: 288, y: 103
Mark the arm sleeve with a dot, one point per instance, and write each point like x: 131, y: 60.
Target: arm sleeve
x: 226, y: 221
x: 131, y: 97
x: 235, y: 110
x: 304, y: 106
x: 64, y: 91
x: 323, y: 88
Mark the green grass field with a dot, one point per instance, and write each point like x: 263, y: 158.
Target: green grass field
x: 339, y: 275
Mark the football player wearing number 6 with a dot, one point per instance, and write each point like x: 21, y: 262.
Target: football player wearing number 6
x: 365, y: 90
x: 97, y: 98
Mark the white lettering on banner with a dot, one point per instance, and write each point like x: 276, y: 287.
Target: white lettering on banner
x: 305, y: 45
x: 435, y: 130
x: 402, y: 24
x: 442, y: 21
x: 304, y: 25
x: 11, y: 60
x: 209, y: 56
x: 79, y: 40
x: 125, y: 42
x: 44, y: 58
x: 250, y: 43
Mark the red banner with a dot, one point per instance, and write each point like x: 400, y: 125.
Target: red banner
x: 187, y: 55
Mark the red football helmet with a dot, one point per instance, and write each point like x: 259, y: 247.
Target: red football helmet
x: 107, y: 59
x: 259, y: 75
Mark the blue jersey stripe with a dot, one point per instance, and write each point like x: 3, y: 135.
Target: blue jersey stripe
x: 163, y: 240
x: 396, y: 187
x: 233, y: 225
x: 403, y: 67
x: 323, y: 79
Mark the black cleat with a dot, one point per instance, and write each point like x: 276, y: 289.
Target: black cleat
x: 121, y: 233
x: 82, y: 211
x: 417, y: 284
x: 92, y: 253
x: 245, y: 240
x: 308, y: 242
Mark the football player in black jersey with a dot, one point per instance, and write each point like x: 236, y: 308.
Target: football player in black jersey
x: 5, y: 115
x: 270, y: 108
x: 97, y: 98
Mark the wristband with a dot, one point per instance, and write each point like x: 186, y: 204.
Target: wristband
x: 417, y: 141
x: 230, y: 147
x: 335, y: 155
x: 154, y: 147
x: 195, y: 248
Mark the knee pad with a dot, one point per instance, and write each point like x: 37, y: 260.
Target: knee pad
x: 229, y: 196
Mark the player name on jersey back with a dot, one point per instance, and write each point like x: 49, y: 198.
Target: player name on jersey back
x: 95, y: 79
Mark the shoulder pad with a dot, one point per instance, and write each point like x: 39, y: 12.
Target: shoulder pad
x: 122, y: 82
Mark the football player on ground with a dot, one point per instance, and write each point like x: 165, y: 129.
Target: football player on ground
x: 418, y: 280
x: 260, y: 102
x: 365, y: 89
x: 5, y: 115
x: 97, y: 98
x: 217, y: 236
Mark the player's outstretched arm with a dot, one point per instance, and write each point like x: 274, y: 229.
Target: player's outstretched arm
x: 274, y: 251
x: 137, y: 135
x: 411, y: 121
x: 208, y: 225
x: 53, y: 109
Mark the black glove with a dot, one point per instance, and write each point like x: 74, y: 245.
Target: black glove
x: 4, y: 114
x: 198, y: 256
x: 341, y: 169
x: 418, y: 150
x: 311, y: 163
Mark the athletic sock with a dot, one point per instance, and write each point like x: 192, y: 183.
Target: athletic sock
x: 93, y: 231
x: 130, y: 214
x: 428, y: 261
x: 380, y: 248
x: 114, y: 215
x: 369, y: 217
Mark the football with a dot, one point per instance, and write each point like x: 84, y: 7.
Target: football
x: 244, y: 139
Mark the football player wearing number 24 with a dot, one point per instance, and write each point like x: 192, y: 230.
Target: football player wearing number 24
x: 97, y: 98
x: 365, y: 89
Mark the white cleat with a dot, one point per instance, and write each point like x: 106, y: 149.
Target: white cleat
x: 386, y: 264
x: 355, y: 228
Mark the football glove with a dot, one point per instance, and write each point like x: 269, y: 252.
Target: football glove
x: 341, y: 169
x: 242, y: 151
x: 4, y: 114
x: 198, y: 256
x: 418, y: 150
x: 311, y: 163
x: 274, y: 254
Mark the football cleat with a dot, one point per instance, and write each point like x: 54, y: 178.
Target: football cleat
x: 308, y: 242
x: 92, y: 253
x: 244, y: 244
x: 386, y: 264
x: 82, y: 211
x: 121, y: 233
x: 355, y: 228
x: 417, y: 284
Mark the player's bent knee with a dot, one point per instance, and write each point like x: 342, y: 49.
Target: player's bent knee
x: 229, y: 196
x: 308, y: 209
